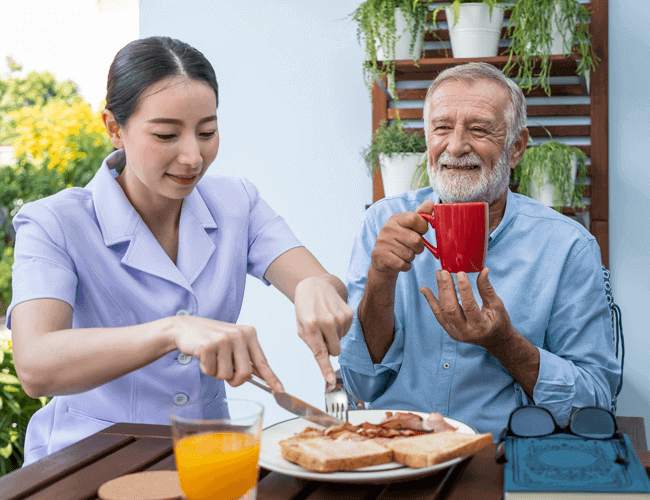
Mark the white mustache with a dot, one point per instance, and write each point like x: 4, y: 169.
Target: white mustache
x: 466, y: 160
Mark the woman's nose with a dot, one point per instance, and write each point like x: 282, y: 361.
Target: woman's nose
x: 458, y: 142
x: 190, y: 152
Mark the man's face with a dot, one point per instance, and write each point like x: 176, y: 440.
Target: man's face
x: 466, y: 139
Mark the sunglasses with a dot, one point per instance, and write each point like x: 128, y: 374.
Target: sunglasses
x: 589, y: 423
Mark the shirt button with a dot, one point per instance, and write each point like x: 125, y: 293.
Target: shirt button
x: 446, y: 366
x: 182, y: 312
x: 184, y: 359
x: 180, y: 398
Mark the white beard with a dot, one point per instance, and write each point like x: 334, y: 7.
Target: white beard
x: 477, y: 185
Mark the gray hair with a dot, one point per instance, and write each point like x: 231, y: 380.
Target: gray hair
x: 515, y: 113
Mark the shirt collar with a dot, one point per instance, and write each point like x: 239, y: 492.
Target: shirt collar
x: 116, y: 216
x: 508, y: 217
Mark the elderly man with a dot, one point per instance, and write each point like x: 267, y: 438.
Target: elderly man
x: 532, y: 328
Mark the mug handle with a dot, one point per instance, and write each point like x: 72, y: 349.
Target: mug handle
x: 430, y: 218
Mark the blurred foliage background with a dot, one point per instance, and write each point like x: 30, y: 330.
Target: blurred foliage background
x: 58, y: 142
x: 16, y: 408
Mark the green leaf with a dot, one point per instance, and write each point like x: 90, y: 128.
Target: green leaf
x: 6, y: 378
x: 6, y: 451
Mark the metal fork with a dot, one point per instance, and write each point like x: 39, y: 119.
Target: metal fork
x: 336, y: 402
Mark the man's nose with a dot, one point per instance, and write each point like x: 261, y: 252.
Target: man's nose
x: 458, y: 142
x: 190, y: 152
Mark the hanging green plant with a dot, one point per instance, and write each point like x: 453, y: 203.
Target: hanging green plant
x: 376, y: 26
x: 531, y: 31
x: 456, y: 6
x: 390, y: 139
x: 553, y: 159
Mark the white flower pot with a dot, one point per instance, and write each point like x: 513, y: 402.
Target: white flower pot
x: 546, y: 194
x: 557, y: 38
x: 402, y: 42
x: 477, y: 33
x: 397, y: 170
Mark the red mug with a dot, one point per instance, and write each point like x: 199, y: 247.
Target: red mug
x: 461, y: 235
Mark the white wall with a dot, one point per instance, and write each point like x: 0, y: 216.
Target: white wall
x: 74, y: 40
x: 293, y: 116
x: 629, y: 199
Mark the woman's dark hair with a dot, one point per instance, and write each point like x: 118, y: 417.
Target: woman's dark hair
x: 144, y: 62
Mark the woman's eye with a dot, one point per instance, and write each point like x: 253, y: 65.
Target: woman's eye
x: 165, y: 137
x: 208, y: 134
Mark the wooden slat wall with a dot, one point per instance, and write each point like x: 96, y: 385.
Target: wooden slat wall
x: 576, y: 114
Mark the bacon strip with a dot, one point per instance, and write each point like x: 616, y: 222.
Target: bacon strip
x: 399, y: 424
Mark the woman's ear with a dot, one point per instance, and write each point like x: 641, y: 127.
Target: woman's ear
x: 113, y: 129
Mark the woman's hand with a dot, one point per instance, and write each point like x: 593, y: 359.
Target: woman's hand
x: 323, y: 317
x: 225, y: 351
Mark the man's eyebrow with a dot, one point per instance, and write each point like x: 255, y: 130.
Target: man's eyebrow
x: 482, y: 121
x: 173, y: 121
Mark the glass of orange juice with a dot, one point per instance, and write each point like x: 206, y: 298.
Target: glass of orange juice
x: 217, y: 446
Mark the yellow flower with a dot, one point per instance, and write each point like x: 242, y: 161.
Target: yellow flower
x: 52, y: 134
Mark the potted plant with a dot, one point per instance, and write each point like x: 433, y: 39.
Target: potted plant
x: 391, y: 30
x: 547, y: 173
x: 421, y: 175
x: 476, y: 27
x: 541, y: 28
x: 398, y: 154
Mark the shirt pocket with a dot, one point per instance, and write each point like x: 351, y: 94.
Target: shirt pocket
x: 73, y: 413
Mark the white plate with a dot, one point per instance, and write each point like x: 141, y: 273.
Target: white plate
x: 271, y: 453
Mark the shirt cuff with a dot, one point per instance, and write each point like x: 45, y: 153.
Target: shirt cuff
x: 555, y: 387
x: 356, y: 357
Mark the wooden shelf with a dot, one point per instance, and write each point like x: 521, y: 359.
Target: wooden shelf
x: 588, y: 131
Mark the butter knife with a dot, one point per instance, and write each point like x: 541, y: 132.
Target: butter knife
x: 296, y: 406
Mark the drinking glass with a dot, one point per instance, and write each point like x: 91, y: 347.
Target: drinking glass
x: 218, y: 457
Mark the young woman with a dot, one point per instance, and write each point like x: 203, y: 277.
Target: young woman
x: 126, y: 292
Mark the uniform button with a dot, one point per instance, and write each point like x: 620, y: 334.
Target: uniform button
x: 182, y: 312
x: 446, y: 366
x: 180, y: 398
x: 184, y: 359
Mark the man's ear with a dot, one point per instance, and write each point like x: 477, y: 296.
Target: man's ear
x: 113, y: 129
x: 519, y: 147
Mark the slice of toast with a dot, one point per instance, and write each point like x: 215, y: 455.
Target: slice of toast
x: 331, y: 455
x: 431, y: 449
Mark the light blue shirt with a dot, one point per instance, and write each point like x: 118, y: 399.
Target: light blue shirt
x: 90, y: 248
x: 545, y: 267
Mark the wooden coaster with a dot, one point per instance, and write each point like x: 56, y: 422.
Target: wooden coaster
x: 151, y: 485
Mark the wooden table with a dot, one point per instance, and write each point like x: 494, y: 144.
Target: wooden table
x: 77, y: 471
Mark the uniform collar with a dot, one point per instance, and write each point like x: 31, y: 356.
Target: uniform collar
x: 119, y: 222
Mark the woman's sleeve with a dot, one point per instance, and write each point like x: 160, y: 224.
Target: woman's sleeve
x: 42, y: 267
x: 269, y: 236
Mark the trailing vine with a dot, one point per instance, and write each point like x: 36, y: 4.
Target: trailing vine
x: 530, y: 29
x: 376, y: 26
x: 554, y: 159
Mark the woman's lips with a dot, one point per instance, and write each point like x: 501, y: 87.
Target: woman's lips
x: 182, y: 180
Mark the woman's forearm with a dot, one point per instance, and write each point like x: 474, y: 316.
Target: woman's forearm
x: 77, y: 360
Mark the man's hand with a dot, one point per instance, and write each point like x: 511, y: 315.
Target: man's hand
x: 399, y: 241
x: 487, y: 326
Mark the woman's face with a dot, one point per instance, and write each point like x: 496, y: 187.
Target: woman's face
x: 170, y: 140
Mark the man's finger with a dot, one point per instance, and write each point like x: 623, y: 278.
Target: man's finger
x: 470, y: 307
x: 426, y: 207
x: 447, y: 298
x: 431, y: 299
x: 485, y: 288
